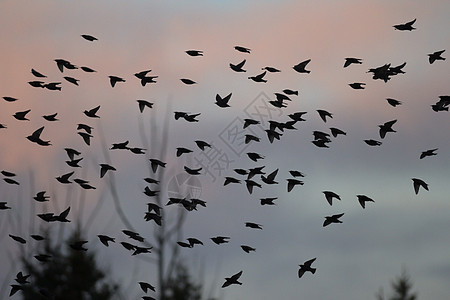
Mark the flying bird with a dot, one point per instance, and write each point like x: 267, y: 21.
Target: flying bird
x: 242, y: 49
x: 105, y: 168
x: 270, y: 179
x: 37, y: 74
x: 254, y: 156
x: 10, y: 99
x: 192, y: 171
x: 51, y: 118
x: 306, y: 267
x: 220, y: 239
x: 92, y: 113
x: 372, y: 142
x: 18, y: 239
x: 352, y: 60
x: 336, y: 131
x: 35, y: 137
x: 232, y: 280
x: 238, y: 67
x: 146, y: 286
x: 143, y: 104
x: 115, y: 79
x: 324, y: 114
x: 363, y: 199
x: 332, y: 219
x: 247, y: 249
x: 267, y: 201
x: 223, y: 102
x: 386, y: 127
x: 259, y: 77
x: 71, y: 80
x: 41, y: 197
x: 202, y: 145
x: 155, y: 163
x: 418, y: 183
x: 21, y: 115
x: 87, y: 69
x: 182, y: 150
x: 89, y: 38
x: 292, y: 182
x: 187, y: 81
x: 65, y: 178
x: 271, y: 69
x: 435, y: 56
x: 62, y: 63
x: 330, y: 195
x: 430, y: 152
x: 253, y: 225
x: 406, y: 26
x: 248, y: 122
x: 393, y: 102
x: 357, y: 85
x: 86, y: 137
x: 194, y: 52
x: 300, y: 67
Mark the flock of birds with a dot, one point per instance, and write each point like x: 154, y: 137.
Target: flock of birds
x: 274, y: 132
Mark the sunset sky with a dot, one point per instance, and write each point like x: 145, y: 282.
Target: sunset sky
x: 355, y: 258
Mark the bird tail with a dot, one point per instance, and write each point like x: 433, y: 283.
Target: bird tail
x: 313, y: 270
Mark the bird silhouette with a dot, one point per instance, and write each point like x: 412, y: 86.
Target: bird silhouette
x: 78, y: 245
x: 220, y: 239
x: 386, y: 127
x: 86, y: 137
x: 53, y: 86
x: 296, y: 173
x: 194, y: 241
x: 149, y: 192
x: 238, y: 67
x: 18, y: 239
x: 363, y: 199
x: 332, y: 219
x: 253, y: 225
x: 155, y: 163
x: 115, y: 79
x: 418, y: 183
x: 330, y: 195
x: 306, y: 267
x: 133, y: 235
x: 85, y: 127
x: 4, y: 206
x: 292, y: 182
x: 89, y: 38
x: 270, y: 179
x: 406, y: 26
x: 92, y: 113
x: 426, y: 153
x: 336, y: 131
x: 35, y: 137
x: 194, y: 52
x: 202, y: 145
x: 37, y: 74
x: 223, y: 102
x: 242, y: 49
x: 435, y: 56
x: 396, y: 70
x: 232, y: 280
x: 88, y: 70
x: 188, y: 81
x: 22, y: 279
x: 267, y: 201
x: 10, y: 99
x: 300, y: 67
x: 254, y: 156
x: 290, y: 92
x: 271, y: 69
x: 71, y: 80
x: 51, y: 118
x: 250, y: 137
x: 21, y: 115
x: 62, y: 63
x: 393, y: 102
x: 11, y: 181
x: 65, y: 178
x: 15, y: 288
x: 352, y: 60
x: 259, y: 77
x: 105, y: 168
x: 229, y: 180
x: 250, y: 184
x: 41, y: 197
x: 324, y: 114
x: 248, y: 122
x: 182, y: 150
x: 37, y: 83
x: 247, y: 249
x: 143, y: 104
x: 371, y: 142
x: 192, y: 171
x: 357, y: 85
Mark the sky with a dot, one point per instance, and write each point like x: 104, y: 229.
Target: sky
x: 355, y: 258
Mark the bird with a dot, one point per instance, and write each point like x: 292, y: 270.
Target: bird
x: 115, y: 79
x: 184, y: 245
x: 133, y: 235
x: 192, y: 171
x: 37, y: 237
x: 270, y: 179
x: 250, y: 184
x: 238, y: 67
x: 105, y: 240
x: 122, y: 146
x: 15, y: 288
x: 250, y: 137
x: 247, y: 249
x: 11, y: 181
x: 78, y: 245
x: 105, y: 168
x: 352, y: 60
x: 35, y: 137
x: 357, y: 85
x: 4, y: 206
x: 397, y: 69
x: 87, y: 69
x: 254, y: 156
x: 393, y: 102
x: 336, y: 131
x: 155, y: 163
x: 290, y: 92
x: 37, y: 83
x: 418, y: 183
x: 7, y: 173
x: 435, y: 56
x: 371, y: 142
x: 145, y: 286
x: 306, y: 267
x: 300, y: 67
x: 267, y: 201
x: 242, y: 49
x: 259, y: 77
x: 297, y: 116
x: 220, y: 239
x: 37, y: 74
x: 194, y: 241
x: 194, y: 52
x: 253, y: 225
x: 65, y: 178
x: 92, y: 113
x: 143, y: 104
x: 21, y: 115
x: 85, y: 127
x: 386, y: 127
x: 223, y: 102
x: 188, y: 81
x: 248, y: 122
x: 332, y: 219
x: 2, y: 126
x: 88, y: 37
x: 293, y: 182
x: 191, y: 117
x: 229, y: 180
x: 426, y: 153
x: 86, y: 137
x: 330, y: 195
x: 149, y: 192
x: 324, y: 114
x: 232, y: 280
x: 363, y: 199
x: 271, y: 69
x: 22, y: 279
x: 51, y: 118
x: 18, y: 239
x: 296, y: 173
x: 53, y: 86
x: 406, y: 26
x: 154, y: 207
x: 62, y: 63
x: 71, y: 80
x: 10, y: 99
x: 202, y: 145
x: 182, y: 150
x: 41, y: 197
